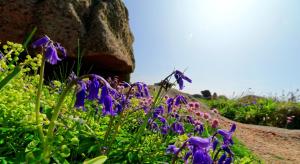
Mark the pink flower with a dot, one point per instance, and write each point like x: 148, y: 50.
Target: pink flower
x: 197, y: 105
x: 206, y: 116
x: 215, y: 123
x: 215, y: 110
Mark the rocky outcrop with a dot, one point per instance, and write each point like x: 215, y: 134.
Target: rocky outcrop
x: 101, y: 26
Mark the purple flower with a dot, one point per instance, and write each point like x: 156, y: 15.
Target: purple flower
x: 1, y: 55
x: 41, y: 42
x: 227, y: 135
x: 61, y: 49
x: 80, y: 95
x: 177, y: 128
x: 179, y: 99
x: 162, y: 120
x: 93, y: 88
x: 104, y: 93
x: 222, y: 158
x: 186, y: 157
x: 179, y: 76
x: 164, y: 129
x: 227, y: 150
x: 228, y: 160
x: 215, y: 144
x: 146, y: 90
x: 51, y: 54
x: 202, y: 157
x: 172, y: 149
x: 142, y: 90
x: 199, y: 129
x: 190, y: 120
x: 199, y: 142
x: 51, y: 48
x: 169, y: 103
x: 108, y: 106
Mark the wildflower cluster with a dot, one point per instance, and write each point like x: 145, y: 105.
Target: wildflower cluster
x: 178, y: 125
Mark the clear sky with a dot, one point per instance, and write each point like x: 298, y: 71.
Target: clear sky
x: 226, y: 45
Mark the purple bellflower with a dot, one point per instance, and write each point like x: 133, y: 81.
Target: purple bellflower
x: 179, y: 99
x: 199, y: 129
x: 177, y: 128
x: 227, y: 135
x: 94, y: 86
x: 164, y: 129
x: 169, y: 103
x: 222, y: 158
x: 108, y: 106
x: 179, y: 76
x: 51, y: 48
x: 80, y: 95
x: 172, y: 149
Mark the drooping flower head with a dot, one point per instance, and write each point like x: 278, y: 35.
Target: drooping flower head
x: 94, y: 86
x: 51, y: 48
x: 108, y: 106
x: 80, y: 94
x: 172, y: 149
x: 169, y: 103
x: 179, y: 99
x: 179, y: 76
x: 227, y: 135
x: 177, y: 128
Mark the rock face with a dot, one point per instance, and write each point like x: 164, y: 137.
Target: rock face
x: 101, y: 25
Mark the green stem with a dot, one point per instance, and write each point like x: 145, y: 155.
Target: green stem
x: 107, y: 133
x: 145, y: 121
x: 54, y: 118
x: 38, y: 103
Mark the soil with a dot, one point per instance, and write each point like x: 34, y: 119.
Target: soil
x: 272, y: 145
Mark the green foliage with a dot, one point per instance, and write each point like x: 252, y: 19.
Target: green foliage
x: 259, y: 111
x: 80, y: 136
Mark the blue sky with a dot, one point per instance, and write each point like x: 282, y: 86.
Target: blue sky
x: 226, y: 45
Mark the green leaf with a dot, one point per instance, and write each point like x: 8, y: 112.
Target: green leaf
x: 28, y: 39
x: 97, y: 160
x: 10, y: 76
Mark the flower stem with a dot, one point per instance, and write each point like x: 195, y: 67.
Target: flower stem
x: 145, y: 121
x: 38, y: 103
x: 54, y: 117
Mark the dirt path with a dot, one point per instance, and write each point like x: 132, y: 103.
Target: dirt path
x: 272, y: 145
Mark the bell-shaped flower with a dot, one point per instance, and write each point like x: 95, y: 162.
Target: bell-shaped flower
x: 201, y: 157
x: 94, y: 86
x: 177, y: 128
x: 164, y: 129
x: 179, y: 76
x: 179, y: 99
x: 108, y: 106
x: 227, y: 135
x: 41, y: 42
x: 222, y: 158
x: 169, y: 103
x: 51, y: 48
x: 104, y: 93
x: 199, y: 128
x: 80, y: 94
x: 172, y: 149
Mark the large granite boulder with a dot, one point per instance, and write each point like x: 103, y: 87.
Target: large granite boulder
x: 101, y: 26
